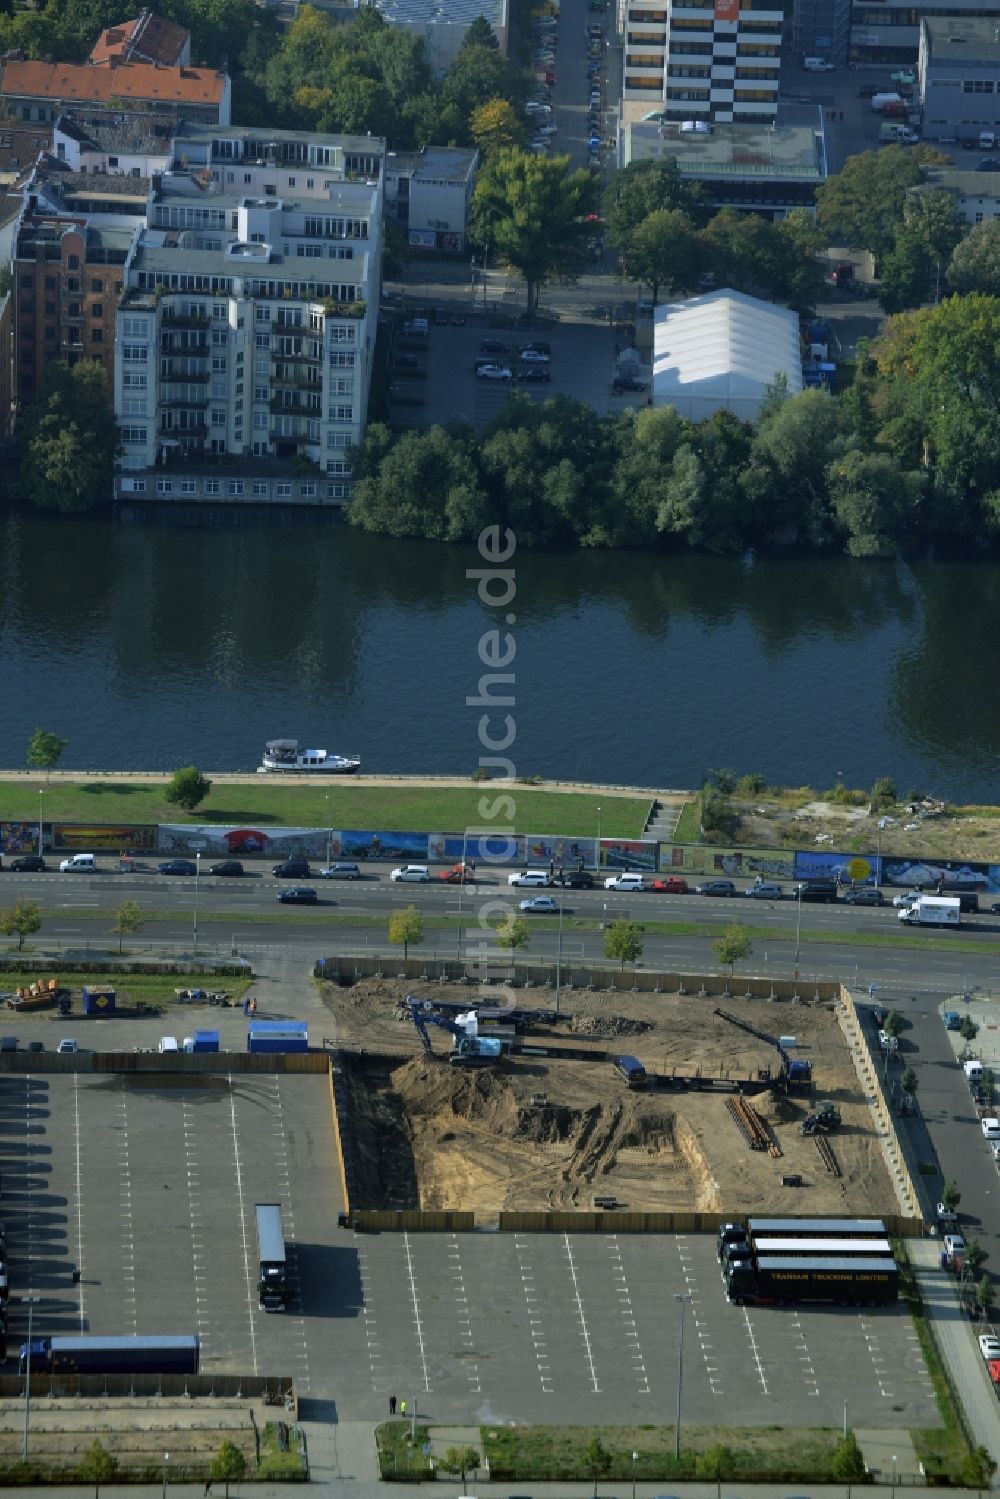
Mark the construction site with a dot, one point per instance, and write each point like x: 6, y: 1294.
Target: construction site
x: 648, y: 1102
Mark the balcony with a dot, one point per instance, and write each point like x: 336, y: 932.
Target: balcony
x: 183, y: 343
x: 170, y: 373
x: 174, y: 318
x: 182, y: 403
x: 294, y: 408
x: 179, y: 434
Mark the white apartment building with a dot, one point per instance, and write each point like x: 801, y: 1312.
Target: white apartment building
x: 717, y: 60
x: 246, y: 331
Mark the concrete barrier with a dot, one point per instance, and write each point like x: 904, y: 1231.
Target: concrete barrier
x: 181, y: 1064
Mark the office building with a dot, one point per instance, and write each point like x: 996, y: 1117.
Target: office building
x: 822, y: 28
x: 958, y: 77
x: 888, y: 31
x: 428, y: 194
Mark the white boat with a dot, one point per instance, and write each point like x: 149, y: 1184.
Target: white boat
x: 285, y: 755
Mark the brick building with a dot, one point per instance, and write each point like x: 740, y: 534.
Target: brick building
x: 41, y: 91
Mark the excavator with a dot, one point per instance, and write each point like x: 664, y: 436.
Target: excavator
x: 795, y: 1073
x: 469, y: 1049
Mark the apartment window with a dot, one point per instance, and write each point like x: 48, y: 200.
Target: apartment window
x: 135, y: 406
x: 134, y: 380
x: 262, y: 340
x: 336, y: 491
x: 247, y: 177
x: 308, y: 491
x: 291, y: 182
x: 164, y: 486
x: 74, y: 309
x: 263, y: 314
x: 96, y: 284
x: 260, y: 421
x: 218, y: 418
x: 50, y: 308
x: 189, y: 486
x: 219, y: 336
x: 260, y: 392
x: 236, y: 486
x: 50, y: 337
x: 96, y: 335
x: 219, y: 310
x: 261, y: 367
x: 50, y: 283
x: 259, y: 449
x: 283, y: 490
x: 134, y: 327
x: 133, y: 434
x: 96, y: 310
x: 310, y: 182
x: 338, y: 440
x: 213, y: 486
x: 337, y: 466
x: 134, y: 352
x: 343, y: 413
x: 218, y: 390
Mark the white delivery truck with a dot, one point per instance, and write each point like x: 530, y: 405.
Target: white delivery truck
x: 879, y: 101
x: 933, y: 910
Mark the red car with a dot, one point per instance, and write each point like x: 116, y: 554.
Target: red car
x: 459, y: 874
x: 672, y: 884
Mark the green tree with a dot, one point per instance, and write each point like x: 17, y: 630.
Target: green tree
x: 862, y: 204
x: 228, y: 1465
x: 724, y: 779
x: 931, y: 217
x: 744, y: 251
x: 496, y: 124
x: 985, y: 1296
x: 908, y: 1083
x: 406, y: 928
x: 716, y: 814
x: 623, y: 940
x: 69, y: 440
x: 905, y: 274
x: 23, y: 920
x: 643, y: 188
x: 424, y: 484
x: 848, y: 1463
x: 187, y: 788
x: 882, y: 795
x: 975, y: 261
x: 951, y: 1197
x: 128, y: 920
x: 974, y: 1254
x: 968, y: 1029
x: 715, y: 1463
x: 530, y: 210
x: 977, y: 1469
x: 797, y: 439
x: 664, y: 250
x: 734, y: 946
x: 45, y: 750
x: 893, y: 1023
x: 513, y: 932
x: 477, y: 75
x: 874, y: 500
x: 97, y: 1466
x: 460, y: 1460
x: 595, y: 1461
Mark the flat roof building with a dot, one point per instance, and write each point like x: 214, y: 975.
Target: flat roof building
x: 442, y: 24
x: 888, y: 31
x: 429, y: 193
x: 958, y: 77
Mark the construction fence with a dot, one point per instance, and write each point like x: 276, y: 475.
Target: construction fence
x: 564, y: 1222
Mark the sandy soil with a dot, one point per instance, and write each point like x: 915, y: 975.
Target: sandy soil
x: 543, y: 1132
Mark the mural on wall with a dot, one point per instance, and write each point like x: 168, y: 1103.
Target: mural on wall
x: 370, y: 845
x: 628, y: 853
x: 563, y: 853
x: 132, y: 838
x: 19, y: 837
x: 685, y: 858
x: 957, y: 872
x: 477, y: 848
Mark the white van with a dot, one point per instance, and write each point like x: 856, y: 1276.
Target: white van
x: 973, y: 1071
x: 629, y: 880
x: 168, y: 1046
x: 79, y: 863
x: 817, y: 65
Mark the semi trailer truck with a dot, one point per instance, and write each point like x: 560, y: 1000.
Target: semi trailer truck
x: 779, y: 1279
x: 125, y: 1355
x: 272, y: 1282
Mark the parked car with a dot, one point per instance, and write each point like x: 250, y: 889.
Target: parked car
x: 416, y: 327
x: 953, y: 1244
x: 493, y: 346
x: 78, y: 864
x: 298, y: 895
x: 27, y: 864
x: 539, y: 905
x: 717, y: 887
x: 340, y: 872
x: 671, y: 884
x: 905, y: 898
x: 530, y: 877
x: 535, y: 375
x: 494, y: 372
x: 68, y: 1044
x: 764, y: 890
x: 177, y: 866
x: 989, y: 1345
x: 292, y: 869
x: 418, y: 873
x: 459, y: 874
x: 226, y: 868
x: 863, y: 896
x: 575, y: 879
x: 628, y: 879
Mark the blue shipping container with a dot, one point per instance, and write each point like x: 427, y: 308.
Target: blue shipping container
x: 206, y: 1041
x: 98, y: 999
x: 278, y: 1035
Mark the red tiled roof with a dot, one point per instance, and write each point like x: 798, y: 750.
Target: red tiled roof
x: 147, y: 38
x: 118, y: 80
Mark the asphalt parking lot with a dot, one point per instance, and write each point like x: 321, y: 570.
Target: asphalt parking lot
x: 147, y: 1185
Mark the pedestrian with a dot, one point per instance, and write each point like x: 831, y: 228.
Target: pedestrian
x: 392, y: 1405
x: 402, y: 1408
x: 208, y: 1485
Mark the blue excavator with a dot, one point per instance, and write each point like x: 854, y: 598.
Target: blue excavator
x: 469, y: 1049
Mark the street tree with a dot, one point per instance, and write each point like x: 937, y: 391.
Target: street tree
x: 128, y: 920
x: 97, y: 1466
x: 951, y: 1197
x: 69, y: 440
x: 848, y: 1462
x: 460, y: 1460
x: 496, y: 124
x: 664, y: 250
x: 642, y: 188
x: 596, y: 1461
x: 24, y: 919
x: 187, y: 788
x: 975, y: 261
x: 45, y: 751
x: 734, y: 946
x: 862, y: 204
x: 623, y: 940
x: 931, y: 217
x: 974, y: 1254
x: 893, y: 1023
x: 985, y: 1296
x: 977, y: 1469
x: 513, y: 932
x: 530, y: 210
x: 228, y: 1465
x: 406, y: 929
x: 906, y: 272
x: 908, y: 1083
x: 968, y: 1029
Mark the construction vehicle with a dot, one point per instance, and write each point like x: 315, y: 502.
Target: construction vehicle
x: 796, y: 1073
x: 469, y: 1048
x: 825, y: 1117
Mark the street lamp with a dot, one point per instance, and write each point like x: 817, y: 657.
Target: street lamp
x: 166, y: 1461
x: 329, y: 830
x: 28, y: 1301
x: 41, y: 793
x: 683, y: 1298
x: 893, y: 1476
x: 798, y: 927
x: 197, y: 872
x: 598, y: 835
x: 635, y: 1459
x: 559, y: 953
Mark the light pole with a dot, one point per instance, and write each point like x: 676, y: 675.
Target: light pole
x: 635, y: 1459
x: 598, y: 835
x: 329, y: 830
x: 559, y: 953
x: 683, y: 1298
x: 878, y: 856
x: 28, y: 1301
x: 461, y: 893
x: 798, y: 927
x: 893, y: 1476
x: 166, y: 1462
x: 197, y: 872
x: 41, y: 793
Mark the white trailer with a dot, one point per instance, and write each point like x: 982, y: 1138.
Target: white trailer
x: 933, y: 910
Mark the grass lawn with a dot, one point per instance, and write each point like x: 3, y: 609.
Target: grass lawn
x: 396, y: 1458
x: 941, y: 1449
x: 130, y: 988
x: 272, y: 804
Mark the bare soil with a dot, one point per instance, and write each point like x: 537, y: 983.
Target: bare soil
x: 796, y: 819
x: 547, y: 1132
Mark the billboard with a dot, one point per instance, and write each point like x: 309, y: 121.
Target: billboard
x: 689, y: 858
x: 727, y: 10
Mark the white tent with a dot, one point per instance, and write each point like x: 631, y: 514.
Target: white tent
x: 723, y: 350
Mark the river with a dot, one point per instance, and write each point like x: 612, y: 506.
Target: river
x: 156, y: 644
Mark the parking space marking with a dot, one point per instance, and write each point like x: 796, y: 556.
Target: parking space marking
x: 807, y: 1373
x: 79, y: 1197
x: 248, y: 1270
x: 584, y: 1333
x: 202, y: 1300
x: 701, y: 1328
x: 869, y: 1331
x: 754, y: 1350
x: 371, y: 1325
x: 418, y: 1324
x: 295, y: 1307
x: 627, y: 1312
x: 522, y: 1249
x: 461, y: 1301
x: 128, y: 1236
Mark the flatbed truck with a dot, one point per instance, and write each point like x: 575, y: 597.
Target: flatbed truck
x: 124, y: 1355
x: 778, y: 1280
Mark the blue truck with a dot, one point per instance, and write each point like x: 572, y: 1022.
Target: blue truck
x: 125, y: 1355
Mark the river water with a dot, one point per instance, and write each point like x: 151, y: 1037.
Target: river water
x: 155, y: 644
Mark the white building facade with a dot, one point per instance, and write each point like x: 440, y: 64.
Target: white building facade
x: 718, y: 60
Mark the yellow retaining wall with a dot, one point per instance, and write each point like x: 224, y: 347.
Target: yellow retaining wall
x: 335, y: 1107
x: 870, y: 1079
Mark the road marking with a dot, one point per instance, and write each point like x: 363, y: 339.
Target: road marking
x: 248, y: 1275
x: 416, y: 1311
x: 371, y: 1324
x: 694, y: 1299
x: 522, y: 1249
x: 628, y: 1317
x: 584, y: 1333
x: 465, y: 1324
x: 753, y: 1349
x: 128, y: 1239
x: 295, y: 1306
x: 807, y: 1373
x: 79, y: 1199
